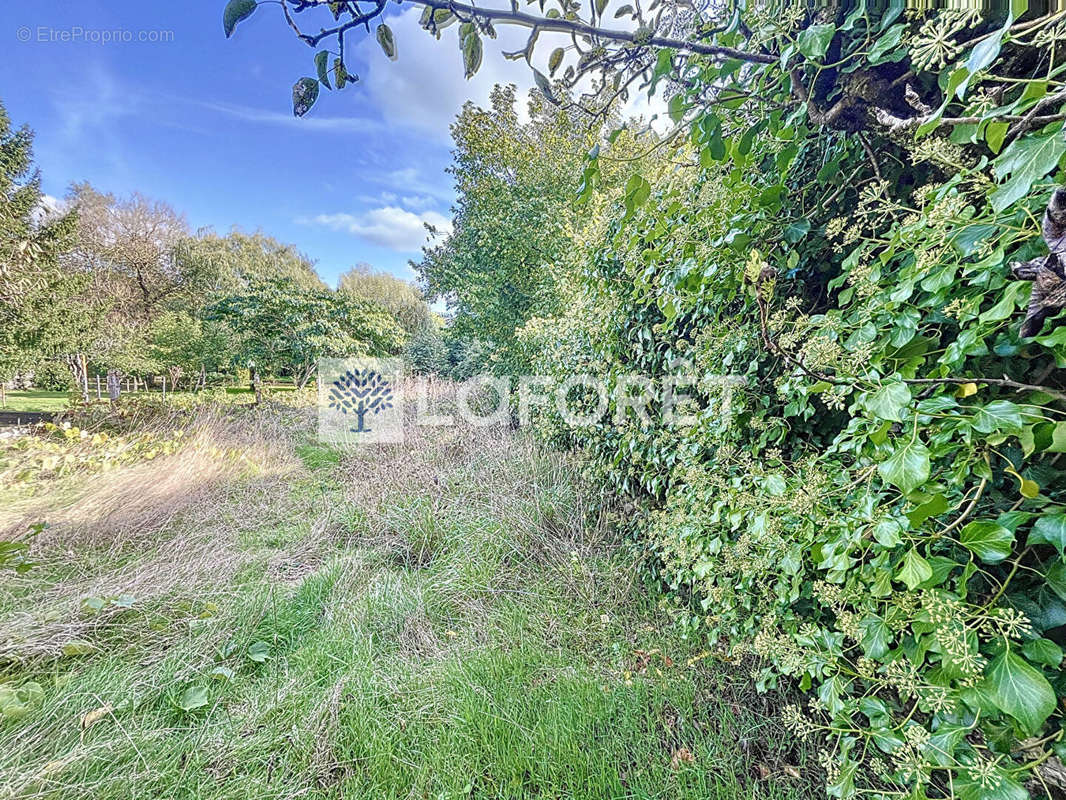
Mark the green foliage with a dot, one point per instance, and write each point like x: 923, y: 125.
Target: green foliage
x: 873, y: 520
x: 401, y: 298
x: 515, y: 183
x: 39, y: 314
x: 425, y: 353
x: 185, y: 345
x: 225, y: 264
x: 236, y: 11
x: 53, y: 376
x: 284, y: 329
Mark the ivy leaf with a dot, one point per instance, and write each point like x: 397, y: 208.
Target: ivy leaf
x: 889, y: 401
x: 995, y: 133
x: 987, y: 540
x: 1026, y: 161
x: 814, y: 40
x: 1043, y: 651
x: 259, y: 652
x: 1049, y: 529
x: 236, y: 11
x: 933, y: 507
x: 322, y: 67
x: 795, y: 231
x: 1049, y: 437
x: 886, y: 43
x: 999, y: 415
x: 1005, y: 307
x: 1026, y: 486
x: 876, y: 636
x: 908, y: 466
x: 984, y: 54
x: 304, y: 95
x: 914, y: 570
x: 997, y: 786
x: 1056, y: 577
x: 387, y: 41
x: 887, y: 533
x: 192, y: 698
x: 1020, y: 691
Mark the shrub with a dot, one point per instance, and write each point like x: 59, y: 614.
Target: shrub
x: 881, y: 517
x: 52, y: 376
x: 425, y: 353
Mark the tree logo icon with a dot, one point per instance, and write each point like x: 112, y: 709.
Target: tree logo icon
x: 360, y: 392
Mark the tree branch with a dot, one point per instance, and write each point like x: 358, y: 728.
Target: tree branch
x: 511, y: 17
x: 1005, y: 382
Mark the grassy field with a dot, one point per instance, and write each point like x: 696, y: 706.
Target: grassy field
x: 35, y: 400
x: 40, y: 400
x: 259, y: 615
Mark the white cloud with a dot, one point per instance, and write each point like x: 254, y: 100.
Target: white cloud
x: 392, y: 227
x: 48, y: 208
x: 308, y: 123
x: 417, y: 201
x: 425, y: 88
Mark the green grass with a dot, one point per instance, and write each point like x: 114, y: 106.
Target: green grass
x: 35, y: 401
x: 39, y: 400
x: 437, y: 622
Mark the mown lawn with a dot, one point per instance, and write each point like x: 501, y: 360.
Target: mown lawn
x: 35, y: 400
x: 443, y: 619
x: 38, y: 400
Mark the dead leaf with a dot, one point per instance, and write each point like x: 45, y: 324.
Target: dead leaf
x: 94, y: 716
x: 682, y: 756
x: 764, y: 772
x: 699, y: 657
x: 791, y: 771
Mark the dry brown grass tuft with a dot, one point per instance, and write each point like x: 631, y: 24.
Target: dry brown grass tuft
x: 133, y: 503
x: 162, y: 528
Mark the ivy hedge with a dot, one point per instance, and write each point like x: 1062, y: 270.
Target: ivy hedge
x: 879, y: 517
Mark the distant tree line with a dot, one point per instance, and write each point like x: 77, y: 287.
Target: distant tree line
x: 99, y: 284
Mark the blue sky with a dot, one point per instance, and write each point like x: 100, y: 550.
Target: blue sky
x: 205, y: 123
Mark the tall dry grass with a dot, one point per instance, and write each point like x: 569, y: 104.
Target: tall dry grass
x: 146, y: 530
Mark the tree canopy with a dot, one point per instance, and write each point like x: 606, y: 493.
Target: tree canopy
x: 284, y: 329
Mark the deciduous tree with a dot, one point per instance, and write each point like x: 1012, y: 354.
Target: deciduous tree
x: 284, y: 329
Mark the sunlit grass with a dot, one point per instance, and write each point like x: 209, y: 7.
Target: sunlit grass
x: 441, y: 621
x: 35, y: 401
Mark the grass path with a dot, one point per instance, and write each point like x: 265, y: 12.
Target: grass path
x: 445, y: 620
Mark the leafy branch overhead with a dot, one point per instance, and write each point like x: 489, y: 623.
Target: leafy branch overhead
x: 855, y: 70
